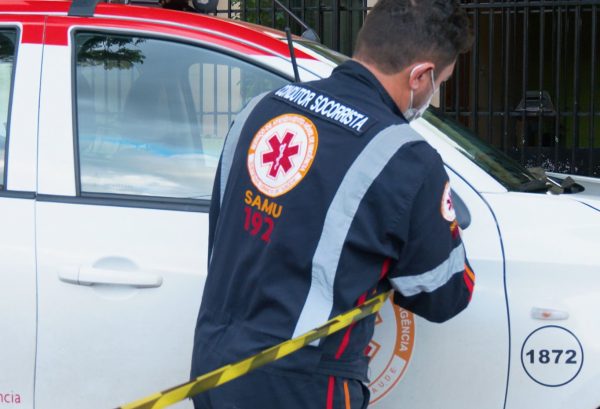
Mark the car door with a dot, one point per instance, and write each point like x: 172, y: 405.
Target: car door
x: 553, y: 285
x: 20, y: 62
x: 442, y: 365
x: 131, y: 127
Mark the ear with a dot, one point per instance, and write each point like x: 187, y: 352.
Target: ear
x: 420, y: 74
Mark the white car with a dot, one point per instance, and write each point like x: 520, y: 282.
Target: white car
x: 110, y: 130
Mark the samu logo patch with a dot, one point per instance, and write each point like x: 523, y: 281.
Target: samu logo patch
x: 281, y: 153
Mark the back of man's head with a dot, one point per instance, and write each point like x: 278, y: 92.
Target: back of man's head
x: 398, y: 33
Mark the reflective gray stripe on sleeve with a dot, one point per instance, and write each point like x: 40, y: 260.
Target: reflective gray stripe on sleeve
x: 433, y: 279
x: 365, y: 169
x: 232, y: 140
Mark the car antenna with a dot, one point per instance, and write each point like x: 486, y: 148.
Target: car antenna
x: 288, y: 35
x: 309, y: 33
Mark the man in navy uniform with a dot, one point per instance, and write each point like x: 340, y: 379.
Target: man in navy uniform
x: 325, y: 196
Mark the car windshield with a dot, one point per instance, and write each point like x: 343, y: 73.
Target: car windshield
x: 496, y: 163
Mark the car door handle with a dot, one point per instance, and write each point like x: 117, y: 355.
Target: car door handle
x: 91, y: 276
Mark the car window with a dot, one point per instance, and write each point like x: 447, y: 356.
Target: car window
x: 152, y: 114
x: 8, y: 40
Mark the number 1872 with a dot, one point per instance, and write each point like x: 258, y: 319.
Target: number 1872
x: 554, y: 356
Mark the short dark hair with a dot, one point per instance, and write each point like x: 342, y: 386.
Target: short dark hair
x: 398, y: 33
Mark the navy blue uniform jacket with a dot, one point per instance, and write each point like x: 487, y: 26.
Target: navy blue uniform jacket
x: 324, y: 196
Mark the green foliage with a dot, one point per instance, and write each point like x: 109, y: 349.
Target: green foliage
x: 111, y: 52
x: 7, y: 47
x: 262, y: 12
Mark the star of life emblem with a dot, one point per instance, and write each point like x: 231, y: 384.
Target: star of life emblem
x: 281, y: 153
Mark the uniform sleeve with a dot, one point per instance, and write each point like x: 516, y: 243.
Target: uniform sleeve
x: 432, y: 277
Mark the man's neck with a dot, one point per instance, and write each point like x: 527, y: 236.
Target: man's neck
x: 392, y: 83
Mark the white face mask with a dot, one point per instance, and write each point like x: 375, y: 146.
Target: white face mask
x: 413, y: 113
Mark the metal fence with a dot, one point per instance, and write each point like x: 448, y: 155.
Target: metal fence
x: 530, y: 85
x: 336, y: 21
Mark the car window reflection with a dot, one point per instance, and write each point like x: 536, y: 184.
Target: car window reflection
x: 152, y: 114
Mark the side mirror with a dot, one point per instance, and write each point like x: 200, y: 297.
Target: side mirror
x: 463, y: 216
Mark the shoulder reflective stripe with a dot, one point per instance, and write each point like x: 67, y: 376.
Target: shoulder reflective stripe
x: 232, y: 140
x: 433, y: 279
x: 366, y: 167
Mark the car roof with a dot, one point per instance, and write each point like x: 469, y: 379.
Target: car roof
x: 263, y: 37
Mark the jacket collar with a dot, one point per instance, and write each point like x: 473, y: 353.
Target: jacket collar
x: 359, y: 71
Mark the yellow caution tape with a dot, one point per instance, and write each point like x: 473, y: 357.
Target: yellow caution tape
x: 232, y: 371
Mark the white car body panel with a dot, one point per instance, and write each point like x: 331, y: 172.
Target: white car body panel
x: 98, y: 338
x: 24, y: 120
x: 591, y: 194
x: 18, y: 302
x: 56, y: 163
x: 308, y: 71
x: 551, y: 245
